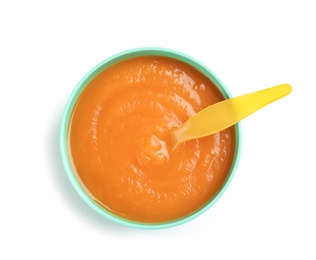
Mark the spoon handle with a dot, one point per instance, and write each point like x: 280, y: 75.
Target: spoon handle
x: 226, y: 113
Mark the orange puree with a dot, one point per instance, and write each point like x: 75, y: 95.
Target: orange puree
x: 121, y: 148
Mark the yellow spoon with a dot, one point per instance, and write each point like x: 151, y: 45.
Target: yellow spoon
x: 226, y: 113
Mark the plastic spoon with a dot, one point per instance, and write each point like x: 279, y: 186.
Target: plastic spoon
x: 226, y: 113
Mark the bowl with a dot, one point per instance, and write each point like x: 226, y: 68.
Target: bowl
x: 68, y: 162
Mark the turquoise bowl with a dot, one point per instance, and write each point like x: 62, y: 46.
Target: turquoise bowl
x: 64, y: 149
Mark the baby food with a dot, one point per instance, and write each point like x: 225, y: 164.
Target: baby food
x: 119, y: 140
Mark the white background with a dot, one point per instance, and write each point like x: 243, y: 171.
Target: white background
x: 268, y: 211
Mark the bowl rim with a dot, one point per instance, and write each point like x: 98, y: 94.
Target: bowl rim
x: 66, y: 116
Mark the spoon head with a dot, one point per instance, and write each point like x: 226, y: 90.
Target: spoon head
x: 180, y: 135
x: 175, y: 141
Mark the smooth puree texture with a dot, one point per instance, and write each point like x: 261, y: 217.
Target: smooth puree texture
x: 119, y: 138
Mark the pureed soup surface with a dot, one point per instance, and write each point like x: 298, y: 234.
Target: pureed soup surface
x: 119, y: 138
